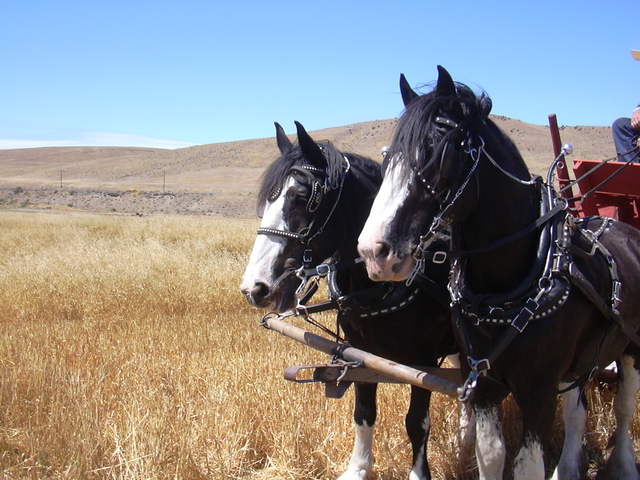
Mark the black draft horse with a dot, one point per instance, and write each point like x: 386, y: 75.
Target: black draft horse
x: 539, y: 299
x: 314, y: 201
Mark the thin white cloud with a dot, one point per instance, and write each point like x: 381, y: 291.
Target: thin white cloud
x: 97, y: 139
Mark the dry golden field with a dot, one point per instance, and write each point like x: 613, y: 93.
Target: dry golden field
x: 127, y: 352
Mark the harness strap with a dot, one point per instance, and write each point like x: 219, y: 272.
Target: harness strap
x: 306, y: 310
x: 579, y: 382
x: 286, y: 274
x: 281, y: 233
x: 437, y: 291
x: 480, y: 367
x: 325, y: 269
x: 539, y: 222
x: 585, y: 286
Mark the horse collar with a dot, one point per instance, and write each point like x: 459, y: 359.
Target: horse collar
x: 548, y: 293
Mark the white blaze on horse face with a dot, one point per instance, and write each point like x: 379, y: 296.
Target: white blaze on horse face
x: 391, y: 196
x: 267, y: 248
x: 389, y: 199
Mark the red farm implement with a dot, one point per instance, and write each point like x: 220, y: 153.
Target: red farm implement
x: 607, y: 188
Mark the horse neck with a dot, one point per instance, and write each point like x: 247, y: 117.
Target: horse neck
x: 351, y: 215
x: 503, y: 208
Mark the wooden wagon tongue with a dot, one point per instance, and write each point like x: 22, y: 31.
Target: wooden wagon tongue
x: 358, y: 365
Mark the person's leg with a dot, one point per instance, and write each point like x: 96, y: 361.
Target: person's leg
x: 624, y: 137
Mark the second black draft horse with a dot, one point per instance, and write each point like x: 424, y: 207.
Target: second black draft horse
x: 314, y: 201
x: 539, y: 299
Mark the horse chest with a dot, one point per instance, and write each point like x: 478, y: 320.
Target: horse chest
x: 408, y: 336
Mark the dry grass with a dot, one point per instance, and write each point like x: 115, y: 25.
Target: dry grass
x: 127, y: 352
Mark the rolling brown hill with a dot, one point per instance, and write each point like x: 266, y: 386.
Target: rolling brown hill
x: 219, y: 178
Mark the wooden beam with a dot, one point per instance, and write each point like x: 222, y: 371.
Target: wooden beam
x: 396, y: 371
x: 366, y: 375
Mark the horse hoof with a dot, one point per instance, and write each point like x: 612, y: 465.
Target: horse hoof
x: 354, y: 474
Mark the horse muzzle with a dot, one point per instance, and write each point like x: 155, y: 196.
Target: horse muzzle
x: 383, y: 264
x: 258, y: 295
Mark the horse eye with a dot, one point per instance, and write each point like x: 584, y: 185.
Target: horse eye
x: 297, y: 193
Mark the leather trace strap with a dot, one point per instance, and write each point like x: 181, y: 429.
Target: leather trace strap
x: 481, y: 366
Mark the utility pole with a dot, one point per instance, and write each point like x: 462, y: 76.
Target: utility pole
x: 164, y: 180
x: 60, y: 178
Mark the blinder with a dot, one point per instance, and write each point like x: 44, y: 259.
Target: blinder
x: 449, y: 141
x: 318, y: 190
x: 446, y: 121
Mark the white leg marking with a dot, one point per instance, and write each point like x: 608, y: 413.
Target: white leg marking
x: 529, y: 463
x: 418, y: 466
x: 490, y: 448
x: 466, y: 428
x: 467, y: 421
x: 621, y: 463
x: 266, y: 248
x: 361, y: 457
x: 574, y: 416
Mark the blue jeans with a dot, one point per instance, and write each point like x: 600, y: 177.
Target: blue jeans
x: 625, y: 139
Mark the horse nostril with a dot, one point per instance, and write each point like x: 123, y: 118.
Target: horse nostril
x: 382, y: 250
x: 259, y: 291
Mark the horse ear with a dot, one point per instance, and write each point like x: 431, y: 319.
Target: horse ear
x: 408, y: 94
x: 309, y: 148
x: 284, y: 144
x: 485, y: 105
x: 445, y: 86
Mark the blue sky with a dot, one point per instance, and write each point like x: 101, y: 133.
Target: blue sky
x: 180, y: 73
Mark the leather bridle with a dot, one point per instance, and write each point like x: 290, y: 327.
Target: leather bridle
x: 318, y: 192
x: 440, y: 225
